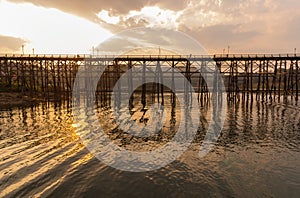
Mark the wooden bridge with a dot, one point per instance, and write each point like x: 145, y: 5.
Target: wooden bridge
x: 251, y: 77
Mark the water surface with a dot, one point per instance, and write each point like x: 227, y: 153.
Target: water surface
x: 258, y: 154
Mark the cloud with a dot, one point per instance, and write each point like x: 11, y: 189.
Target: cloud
x: 90, y: 8
x: 175, y: 5
x: 49, y: 30
x: 8, y: 43
x: 217, y: 37
x: 149, y: 16
x: 247, y: 25
x: 143, y: 39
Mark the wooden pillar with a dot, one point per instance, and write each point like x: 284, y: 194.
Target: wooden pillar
x: 119, y: 88
x: 130, y: 85
x: 8, y: 72
x: 297, y: 83
x: 285, y: 80
x: 245, y: 81
x: 251, y: 79
x: 18, y: 74
x: 59, y: 80
x: 173, y: 88
x: 42, y: 76
x: 259, y: 79
x: 263, y: 80
x: 267, y: 82
x: 47, y: 80
x: 230, y: 82
x: 188, y: 77
x: 144, y: 87
x: 279, y: 81
x: 162, y: 89
x: 274, y: 82
x: 31, y: 76
x: 289, y: 79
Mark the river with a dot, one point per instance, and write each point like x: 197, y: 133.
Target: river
x: 257, y: 155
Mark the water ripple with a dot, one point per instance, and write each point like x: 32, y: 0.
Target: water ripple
x: 257, y: 154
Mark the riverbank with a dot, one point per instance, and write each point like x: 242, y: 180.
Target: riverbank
x: 16, y: 99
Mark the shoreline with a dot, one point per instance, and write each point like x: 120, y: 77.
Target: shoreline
x: 16, y: 99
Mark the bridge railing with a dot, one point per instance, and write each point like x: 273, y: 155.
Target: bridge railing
x: 190, y: 56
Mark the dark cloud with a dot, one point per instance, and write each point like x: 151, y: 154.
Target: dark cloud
x: 11, y: 43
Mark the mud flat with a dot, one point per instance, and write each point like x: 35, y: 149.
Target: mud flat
x: 15, y: 99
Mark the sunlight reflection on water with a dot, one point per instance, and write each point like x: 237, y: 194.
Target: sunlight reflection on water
x: 257, y: 155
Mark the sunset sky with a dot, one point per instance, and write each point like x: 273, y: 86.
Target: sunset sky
x: 63, y: 27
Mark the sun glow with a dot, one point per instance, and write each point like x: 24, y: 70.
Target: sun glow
x: 49, y: 30
x: 152, y: 15
x: 158, y: 17
x: 104, y: 15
